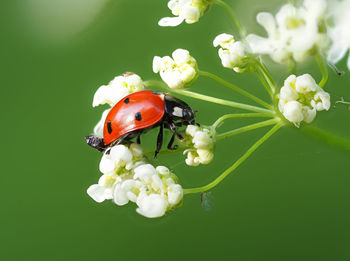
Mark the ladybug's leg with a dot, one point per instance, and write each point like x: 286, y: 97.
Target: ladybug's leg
x: 159, y: 140
x: 138, y: 140
x: 174, y: 130
x: 170, y: 144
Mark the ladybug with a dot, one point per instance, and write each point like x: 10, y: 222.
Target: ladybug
x: 139, y: 112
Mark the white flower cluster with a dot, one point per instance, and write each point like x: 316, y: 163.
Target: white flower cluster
x: 117, y: 89
x: 184, y: 10
x: 293, y: 33
x: 231, y: 53
x: 301, y: 97
x: 127, y: 177
x: 112, y: 93
x: 340, y: 33
x: 200, y: 141
x: 177, y: 72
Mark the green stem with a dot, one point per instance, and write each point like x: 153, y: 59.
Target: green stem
x: 232, y: 15
x: 292, y: 66
x: 267, y: 76
x: 239, y: 115
x: 246, y: 128
x: 207, y: 98
x: 264, y: 83
x: 323, y: 69
x: 163, y: 152
x: 236, y: 164
x: 236, y: 88
x: 328, y: 137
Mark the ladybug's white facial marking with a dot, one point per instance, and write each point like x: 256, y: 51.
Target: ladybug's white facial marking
x: 178, y: 112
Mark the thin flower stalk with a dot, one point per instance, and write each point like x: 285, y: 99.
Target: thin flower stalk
x: 264, y: 83
x: 266, y: 75
x: 236, y: 88
x: 218, y: 122
x: 247, y: 128
x: 328, y: 137
x: 208, y: 98
x: 236, y: 164
x: 323, y: 69
x: 230, y: 12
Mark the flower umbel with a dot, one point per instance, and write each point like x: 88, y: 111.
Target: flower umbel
x: 300, y: 98
x: 200, y: 141
x: 117, y: 89
x: 340, y: 33
x: 293, y: 33
x: 128, y: 177
x: 232, y: 53
x: 184, y: 10
x: 177, y: 72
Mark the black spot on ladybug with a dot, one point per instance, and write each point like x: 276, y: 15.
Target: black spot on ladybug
x: 138, y: 116
x: 126, y: 101
x: 109, y: 127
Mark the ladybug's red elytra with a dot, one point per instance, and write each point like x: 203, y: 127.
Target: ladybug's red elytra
x: 140, y: 112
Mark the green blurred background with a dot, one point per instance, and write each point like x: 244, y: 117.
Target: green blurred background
x: 288, y: 201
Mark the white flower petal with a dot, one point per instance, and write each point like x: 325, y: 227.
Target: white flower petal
x: 222, y: 38
x: 181, y: 56
x: 157, y: 183
x: 157, y: 61
x: 191, y: 14
x: 121, y: 154
x: 187, y: 74
x: 190, y: 160
x: 152, y: 206
x: 259, y: 44
x: 202, y: 139
x: 162, y: 170
x: 144, y: 172
x: 290, y: 81
x: 293, y: 112
x: 205, y: 156
x: 321, y: 101
x: 101, y: 96
x: 170, y: 21
x: 267, y: 21
x: 136, y: 150
x: 309, y: 114
x: 96, y: 192
x: 119, y: 195
x: 98, y: 130
x: 305, y: 83
x: 191, y: 130
x: 107, y: 165
x: 288, y: 93
x: 175, y: 194
x: 172, y: 78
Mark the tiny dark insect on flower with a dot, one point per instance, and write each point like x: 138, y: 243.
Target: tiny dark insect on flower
x: 207, y: 200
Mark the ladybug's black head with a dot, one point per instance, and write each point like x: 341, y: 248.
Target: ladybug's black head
x: 179, y: 110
